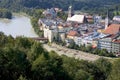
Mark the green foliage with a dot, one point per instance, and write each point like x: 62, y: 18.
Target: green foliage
x: 105, y: 68
x: 25, y: 59
x: 21, y: 78
x: 115, y: 73
x: 34, y: 22
x: 35, y: 51
x: 82, y: 75
x: 35, y: 15
x: 5, y: 14
x: 62, y: 15
x: 78, y: 4
x: 13, y: 62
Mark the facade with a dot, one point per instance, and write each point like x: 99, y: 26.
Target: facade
x: 50, y: 34
x: 62, y: 36
x: 111, y: 43
x: 105, y: 43
x: 116, y: 47
x: 97, y: 19
x: 78, y: 41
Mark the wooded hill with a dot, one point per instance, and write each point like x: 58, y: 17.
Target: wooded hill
x: 78, y: 4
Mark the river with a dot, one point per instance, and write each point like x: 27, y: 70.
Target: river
x: 18, y: 26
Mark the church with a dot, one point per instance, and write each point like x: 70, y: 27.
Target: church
x: 78, y: 18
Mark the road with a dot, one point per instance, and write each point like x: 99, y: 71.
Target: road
x: 61, y: 50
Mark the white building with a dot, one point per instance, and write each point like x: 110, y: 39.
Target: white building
x: 50, y: 34
x: 77, y: 18
x: 78, y: 41
x: 116, y: 18
x: 110, y: 43
x: 105, y: 43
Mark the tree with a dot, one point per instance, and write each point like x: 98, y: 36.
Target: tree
x: 82, y: 75
x: 115, y: 73
x: 4, y: 13
x: 105, y: 68
x: 13, y: 62
x: 35, y: 51
x: 21, y: 78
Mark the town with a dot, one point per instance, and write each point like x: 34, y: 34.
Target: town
x: 82, y: 29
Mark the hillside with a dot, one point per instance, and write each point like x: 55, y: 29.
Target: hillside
x: 25, y: 59
x: 78, y: 4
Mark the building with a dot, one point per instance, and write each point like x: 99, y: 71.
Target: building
x: 111, y: 43
x: 116, y: 44
x: 50, y: 13
x: 105, y: 43
x: 90, y: 19
x: 77, y: 18
x: 116, y: 18
x: 97, y: 19
x: 65, y: 27
x: 78, y: 41
x: 72, y: 34
x: 112, y: 29
x: 70, y: 12
x: 50, y: 34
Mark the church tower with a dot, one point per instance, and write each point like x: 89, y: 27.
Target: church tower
x: 70, y: 11
x: 107, y: 21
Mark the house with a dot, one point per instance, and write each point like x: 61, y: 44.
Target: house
x: 78, y: 41
x: 90, y: 18
x: 50, y: 13
x: 72, y: 34
x: 116, y: 44
x: 116, y: 18
x: 111, y: 43
x: 105, y: 43
x: 64, y: 27
x: 97, y: 19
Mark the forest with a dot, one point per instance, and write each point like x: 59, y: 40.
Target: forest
x: 64, y: 4
x: 25, y: 59
x: 90, y: 6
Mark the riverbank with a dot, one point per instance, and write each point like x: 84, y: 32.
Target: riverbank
x: 61, y: 50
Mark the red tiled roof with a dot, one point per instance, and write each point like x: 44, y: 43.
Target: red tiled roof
x: 73, y: 33
x: 117, y: 41
x: 112, y: 29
